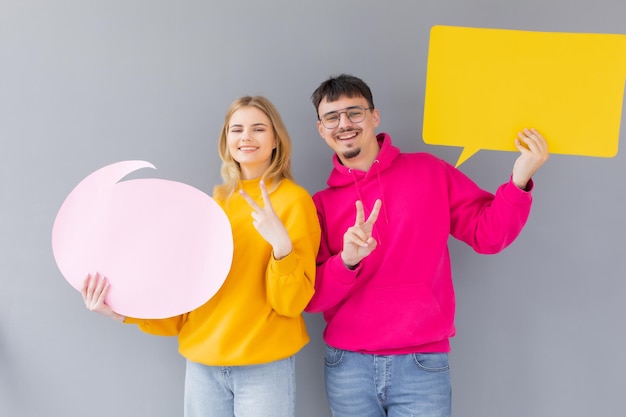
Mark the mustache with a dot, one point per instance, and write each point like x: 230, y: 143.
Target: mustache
x: 349, y: 129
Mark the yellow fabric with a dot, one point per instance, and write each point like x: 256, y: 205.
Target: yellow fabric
x: 256, y: 316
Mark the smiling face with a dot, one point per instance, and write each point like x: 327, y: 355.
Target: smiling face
x: 354, y: 143
x: 251, y: 141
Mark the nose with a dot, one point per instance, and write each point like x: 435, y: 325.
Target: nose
x: 343, y: 119
x: 244, y: 135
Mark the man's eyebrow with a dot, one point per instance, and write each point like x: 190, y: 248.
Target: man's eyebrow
x: 342, y: 110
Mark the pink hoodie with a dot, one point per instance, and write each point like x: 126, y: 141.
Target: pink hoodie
x: 400, y: 299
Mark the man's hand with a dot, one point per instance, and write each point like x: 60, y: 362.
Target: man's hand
x: 358, y: 241
x: 534, y: 152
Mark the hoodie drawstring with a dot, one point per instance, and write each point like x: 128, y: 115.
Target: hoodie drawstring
x: 382, y: 193
x: 382, y: 197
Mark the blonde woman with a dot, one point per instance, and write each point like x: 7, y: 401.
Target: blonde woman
x: 240, y: 346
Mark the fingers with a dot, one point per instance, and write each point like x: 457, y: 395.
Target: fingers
x: 250, y: 201
x: 534, y: 148
x: 89, y: 288
x: 358, y: 241
x: 533, y: 141
x: 360, y: 213
x: 266, y: 196
x: 534, y: 153
x: 374, y: 214
x: 361, y: 233
x: 356, y: 246
x: 94, y: 290
x: 101, y: 292
x: 85, y: 289
x: 356, y: 235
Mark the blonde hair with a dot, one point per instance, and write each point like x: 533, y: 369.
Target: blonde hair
x: 280, y: 165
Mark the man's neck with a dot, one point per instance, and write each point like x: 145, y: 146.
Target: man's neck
x: 362, y: 162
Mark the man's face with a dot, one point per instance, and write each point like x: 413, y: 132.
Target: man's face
x: 354, y: 141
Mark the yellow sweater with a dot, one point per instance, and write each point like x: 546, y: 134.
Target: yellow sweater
x: 256, y: 316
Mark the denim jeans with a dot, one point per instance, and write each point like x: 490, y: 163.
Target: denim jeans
x: 363, y: 385
x: 267, y: 390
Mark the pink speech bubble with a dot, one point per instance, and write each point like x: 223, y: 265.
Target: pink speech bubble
x: 165, y: 247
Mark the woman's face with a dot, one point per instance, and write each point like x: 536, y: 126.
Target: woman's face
x: 251, y: 141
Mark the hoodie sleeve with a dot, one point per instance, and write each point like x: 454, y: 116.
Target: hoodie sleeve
x: 333, y: 282
x: 487, y: 222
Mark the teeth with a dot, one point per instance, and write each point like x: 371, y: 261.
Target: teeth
x: 344, y: 137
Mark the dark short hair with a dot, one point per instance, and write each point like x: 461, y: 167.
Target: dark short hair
x: 342, y: 85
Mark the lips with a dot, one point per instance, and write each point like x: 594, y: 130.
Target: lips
x: 351, y: 134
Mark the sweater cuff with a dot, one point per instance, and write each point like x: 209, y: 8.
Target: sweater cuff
x: 286, y: 265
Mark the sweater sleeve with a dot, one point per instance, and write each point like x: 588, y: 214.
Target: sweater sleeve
x: 487, y: 222
x: 159, y: 327
x: 291, y: 280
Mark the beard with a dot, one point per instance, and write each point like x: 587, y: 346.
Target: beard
x: 352, y: 153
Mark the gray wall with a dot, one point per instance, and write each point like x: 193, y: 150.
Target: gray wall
x: 87, y: 83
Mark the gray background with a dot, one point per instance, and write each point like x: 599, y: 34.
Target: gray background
x: 87, y: 83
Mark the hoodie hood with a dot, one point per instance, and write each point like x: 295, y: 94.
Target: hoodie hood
x: 341, y: 175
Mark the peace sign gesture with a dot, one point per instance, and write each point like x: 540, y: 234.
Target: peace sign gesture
x: 358, y: 241
x: 269, y: 226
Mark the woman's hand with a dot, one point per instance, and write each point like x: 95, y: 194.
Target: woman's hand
x: 94, y: 291
x: 268, y: 224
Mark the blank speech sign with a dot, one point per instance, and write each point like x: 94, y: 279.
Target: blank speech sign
x: 485, y: 85
x: 165, y: 247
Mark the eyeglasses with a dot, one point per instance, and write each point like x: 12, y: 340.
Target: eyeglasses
x: 355, y: 114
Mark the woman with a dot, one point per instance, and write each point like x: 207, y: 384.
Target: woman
x: 240, y: 345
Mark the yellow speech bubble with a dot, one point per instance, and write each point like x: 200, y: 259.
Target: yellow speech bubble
x: 485, y: 85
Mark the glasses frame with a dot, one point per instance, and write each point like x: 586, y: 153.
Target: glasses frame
x: 343, y: 111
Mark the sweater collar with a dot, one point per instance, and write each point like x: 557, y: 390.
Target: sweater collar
x: 342, y: 175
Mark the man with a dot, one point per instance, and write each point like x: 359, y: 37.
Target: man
x: 384, y: 278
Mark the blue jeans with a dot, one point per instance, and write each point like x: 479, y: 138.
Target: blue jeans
x: 267, y: 390
x: 363, y: 385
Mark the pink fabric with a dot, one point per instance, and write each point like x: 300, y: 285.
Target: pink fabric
x: 400, y: 299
